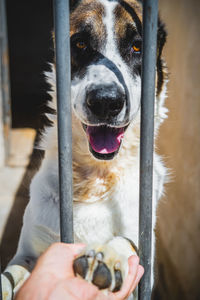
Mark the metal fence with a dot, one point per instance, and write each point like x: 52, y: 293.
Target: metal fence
x: 5, y: 111
x: 4, y: 83
x: 63, y: 73
x: 150, y: 20
x: 63, y: 81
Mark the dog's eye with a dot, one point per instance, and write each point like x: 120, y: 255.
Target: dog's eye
x: 81, y: 45
x: 135, y: 49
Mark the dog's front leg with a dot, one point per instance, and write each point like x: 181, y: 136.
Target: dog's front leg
x: 12, y: 279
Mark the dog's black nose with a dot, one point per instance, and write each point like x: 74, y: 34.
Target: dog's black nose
x: 105, y: 101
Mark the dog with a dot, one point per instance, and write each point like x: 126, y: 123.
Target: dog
x: 106, y: 41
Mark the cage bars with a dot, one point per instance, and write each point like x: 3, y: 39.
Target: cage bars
x: 4, y: 81
x: 150, y: 20
x: 4, y: 92
x: 63, y: 75
x: 63, y: 81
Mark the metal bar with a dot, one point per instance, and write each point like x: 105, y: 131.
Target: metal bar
x: 4, y: 77
x: 150, y: 19
x: 5, y: 103
x: 63, y: 79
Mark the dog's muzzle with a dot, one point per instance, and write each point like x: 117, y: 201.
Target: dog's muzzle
x: 104, y: 104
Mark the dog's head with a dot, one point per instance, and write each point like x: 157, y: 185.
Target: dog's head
x: 106, y: 38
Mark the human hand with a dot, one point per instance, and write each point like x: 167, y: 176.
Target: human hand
x: 53, y: 278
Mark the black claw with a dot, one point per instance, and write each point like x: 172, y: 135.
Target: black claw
x: 80, y: 266
x: 118, y: 280
x: 102, y: 276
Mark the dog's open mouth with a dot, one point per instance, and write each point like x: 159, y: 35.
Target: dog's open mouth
x: 104, y: 140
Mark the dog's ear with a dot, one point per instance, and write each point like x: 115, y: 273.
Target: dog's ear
x: 161, y: 38
x: 73, y: 4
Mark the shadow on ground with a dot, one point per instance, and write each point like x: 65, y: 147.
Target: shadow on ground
x: 13, y: 225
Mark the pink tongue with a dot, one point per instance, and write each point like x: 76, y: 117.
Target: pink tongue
x: 104, y: 139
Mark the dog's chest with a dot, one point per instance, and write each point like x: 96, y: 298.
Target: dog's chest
x: 108, y: 212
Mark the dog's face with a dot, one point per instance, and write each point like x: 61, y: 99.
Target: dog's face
x: 106, y: 38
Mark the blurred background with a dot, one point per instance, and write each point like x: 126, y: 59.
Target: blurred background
x: 29, y: 25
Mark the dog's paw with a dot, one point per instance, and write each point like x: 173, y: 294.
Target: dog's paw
x: 7, y: 289
x: 12, y: 279
x: 106, y: 265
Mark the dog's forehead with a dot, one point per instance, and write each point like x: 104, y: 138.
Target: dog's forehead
x: 128, y: 13
x: 92, y: 13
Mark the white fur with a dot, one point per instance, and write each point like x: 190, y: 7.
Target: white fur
x: 111, y: 52
x: 96, y: 219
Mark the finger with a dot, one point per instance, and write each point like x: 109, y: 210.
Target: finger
x: 140, y: 272
x: 59, y: 256
x: 65, y: 249
x: 129, y: 282
x: 81, y: 289
x: 102, y: 296
x: 60, y: 292
x: 138, y: 277
x: 77, y: 289
x: 74, y: 248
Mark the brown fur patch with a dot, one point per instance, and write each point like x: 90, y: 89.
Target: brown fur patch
x: 90, y: 13
x: 124, y: 16
x: 93, y: 182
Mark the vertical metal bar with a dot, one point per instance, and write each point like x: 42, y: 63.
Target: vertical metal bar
x: 5, y: 105
x: 150, y: 20
x: 4, y: 77
x: 63, y: 79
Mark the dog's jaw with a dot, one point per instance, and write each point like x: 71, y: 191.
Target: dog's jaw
x: 104, y: 141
